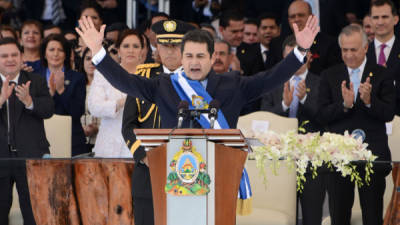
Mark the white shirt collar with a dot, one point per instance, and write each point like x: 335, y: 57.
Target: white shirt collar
x: 166, y: 70
x: 361, y: 67
x: 302, y: 76
x: 389, y: 43
x: 263, y: 48
x: 16, y: 78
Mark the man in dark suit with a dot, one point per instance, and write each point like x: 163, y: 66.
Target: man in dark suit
x: 256, y: 57
x: 325, y: 50
x: 358, y: 96
x: 297, y: 98
x: 230, y: 89
x: 139, y: 113
x: 23, y: 105
x: 385, y: 47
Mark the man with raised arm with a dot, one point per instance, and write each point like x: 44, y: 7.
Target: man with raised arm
x: 198, y: 80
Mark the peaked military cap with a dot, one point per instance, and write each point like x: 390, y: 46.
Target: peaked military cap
x: 171, y: 31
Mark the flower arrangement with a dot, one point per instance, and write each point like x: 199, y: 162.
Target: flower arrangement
x: 303, y: 150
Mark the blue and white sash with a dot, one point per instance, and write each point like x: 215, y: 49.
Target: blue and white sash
x: 187, y: 88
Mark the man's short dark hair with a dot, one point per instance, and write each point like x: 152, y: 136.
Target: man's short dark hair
x: 9, y: 29
x: 207, y: 25
x: 229, y: 15
x: 159, y: 14
x: 8, y: 40
x: 290, y: 41
x: 265, y: 16
x: 90, y: 4
x: 382, y: 3
x: 252, y: 21
x: 199, y: 36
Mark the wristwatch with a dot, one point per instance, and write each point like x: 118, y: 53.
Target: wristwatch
x: 303, y: 49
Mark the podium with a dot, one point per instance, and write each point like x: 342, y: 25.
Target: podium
x: 224, y: 153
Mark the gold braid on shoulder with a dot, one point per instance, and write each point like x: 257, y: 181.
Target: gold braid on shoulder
x: 144, y: 71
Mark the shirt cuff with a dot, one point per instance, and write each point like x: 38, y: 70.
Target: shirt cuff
x: 30, y: 107
x: 298, y: 55
x: 303, y: 100
x: 368, y: 106
x: 284, y: 107
x: 96, y: 59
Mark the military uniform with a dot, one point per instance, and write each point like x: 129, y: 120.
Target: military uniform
x: 143, y: 114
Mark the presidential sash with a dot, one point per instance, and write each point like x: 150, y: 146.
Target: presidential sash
x: 193, y: 92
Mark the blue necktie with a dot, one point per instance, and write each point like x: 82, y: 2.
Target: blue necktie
x: 356, y: 81
x: 295, y: 102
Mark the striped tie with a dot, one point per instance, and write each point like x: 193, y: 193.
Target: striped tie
x: 57, y: 12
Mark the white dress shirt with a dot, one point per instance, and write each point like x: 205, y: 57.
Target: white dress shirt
x: 386, y: 51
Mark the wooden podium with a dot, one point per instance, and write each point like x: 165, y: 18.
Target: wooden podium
x: 225, y: 154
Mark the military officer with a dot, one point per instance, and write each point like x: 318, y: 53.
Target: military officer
x: 142, y: 114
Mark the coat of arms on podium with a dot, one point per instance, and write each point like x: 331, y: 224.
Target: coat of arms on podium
x: 188, y: 174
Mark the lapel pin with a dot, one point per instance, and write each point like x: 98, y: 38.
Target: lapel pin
x: 371, y: 74
x: 398, y: 56
x: 67, y: 82
x: 315, y: 42
x: 157, y: 73
x: 142, y: 102
x: 308, y: 90
x: 243, y: 51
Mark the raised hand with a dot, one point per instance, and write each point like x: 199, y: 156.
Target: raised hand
x: 287, y: 94
x: 22, y: 93
x: 90, y: 35
x: 6, y: 90
x: 348, y: 94
x: 305, y: 37
x: 365, y: 91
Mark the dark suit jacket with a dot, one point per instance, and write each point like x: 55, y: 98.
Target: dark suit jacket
x: 272, y: 102
x: 392, y: 65
x: 325, y: 52
x: 30, y: 135
x: 230, y: 89
x: 72, y: 102
x: 371, y: 120
x: 251, y: 59
x: 394, y: 57
x: 34, y: 10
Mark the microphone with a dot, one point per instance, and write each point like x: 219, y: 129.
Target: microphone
x: 213, y: 114
x: 182, y: 109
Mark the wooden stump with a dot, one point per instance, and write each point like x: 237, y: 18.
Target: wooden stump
x: 103, y: 189
x: 51, y: 192
x: 392, y: 217
x: 81, y: 191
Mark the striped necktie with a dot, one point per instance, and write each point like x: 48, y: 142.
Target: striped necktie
x: 57, y: 12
